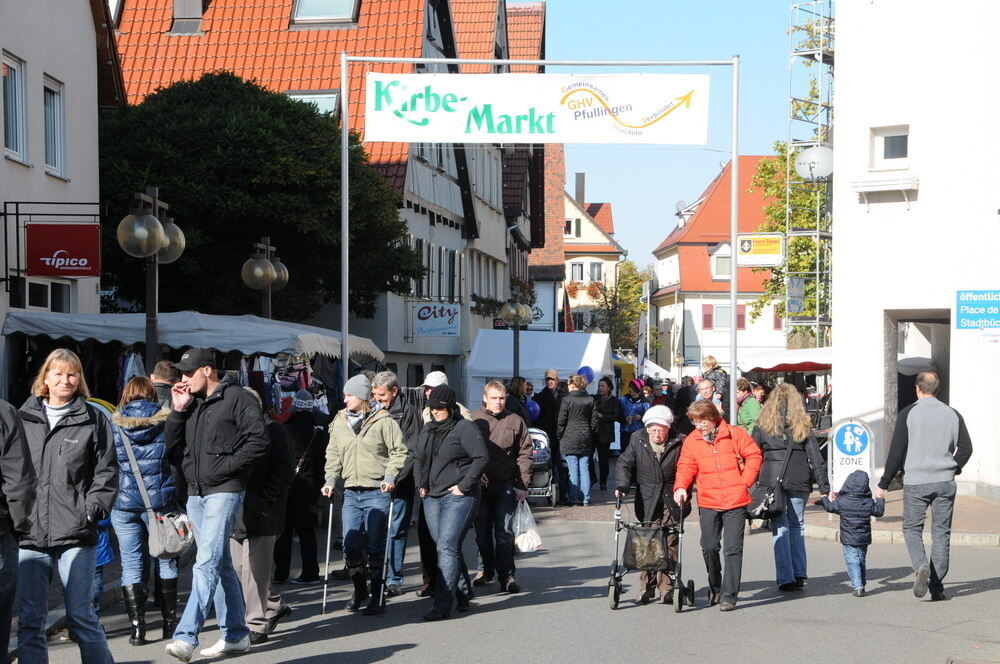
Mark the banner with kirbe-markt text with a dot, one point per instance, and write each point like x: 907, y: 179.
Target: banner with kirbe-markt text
x: 537, y: 108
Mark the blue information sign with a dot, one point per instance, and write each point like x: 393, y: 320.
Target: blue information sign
x: 977, y: 309
x: 851, y: 439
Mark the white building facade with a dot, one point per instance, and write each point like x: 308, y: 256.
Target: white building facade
x: 917, y: 219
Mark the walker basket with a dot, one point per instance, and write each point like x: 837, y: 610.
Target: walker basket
x: 645, y: 548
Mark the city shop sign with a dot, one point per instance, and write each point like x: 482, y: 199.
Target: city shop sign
x: 63, y: 250
x: 432, y: 319
x: 537, y: 108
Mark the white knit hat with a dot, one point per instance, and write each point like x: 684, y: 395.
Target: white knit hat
x: 658, y: 415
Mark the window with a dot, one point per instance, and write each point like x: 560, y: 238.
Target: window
x: 576, y: 271
x: 325, y: 11
x: 890, y: 148
x: 452, y: 275
x: 568, y: 230
x: 14, y: 110
x: 578, y: 321
x: 723, y: 316
x: 60, y: 298
x: 325, y: 102
x: 722, y: 262
x: 442, y: 264
x: 40, y: 295
x: 55, y: 127
x: 418, y: 284
x: 597, y: 271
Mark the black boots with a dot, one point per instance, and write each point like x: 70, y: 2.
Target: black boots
x: 168, y: 607
x: 376, y: 604
x: 357, y: 575
x: 135, y: 605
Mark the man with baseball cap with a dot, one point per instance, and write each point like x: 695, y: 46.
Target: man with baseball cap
x: 217, y: 432
x: 548, y: 401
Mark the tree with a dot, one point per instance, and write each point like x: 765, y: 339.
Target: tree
x: 237, y: 162
x: 618, y: 306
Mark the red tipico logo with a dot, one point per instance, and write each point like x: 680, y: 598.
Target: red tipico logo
x: 63, y: 250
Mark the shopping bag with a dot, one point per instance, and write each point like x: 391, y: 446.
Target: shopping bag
x: 526, y: 537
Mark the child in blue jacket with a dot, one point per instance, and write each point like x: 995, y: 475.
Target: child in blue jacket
x: 855, y: 506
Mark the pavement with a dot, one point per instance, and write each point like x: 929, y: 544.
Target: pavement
x: 563, y: 615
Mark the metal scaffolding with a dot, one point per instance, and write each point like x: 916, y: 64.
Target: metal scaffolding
x: 808, y: 202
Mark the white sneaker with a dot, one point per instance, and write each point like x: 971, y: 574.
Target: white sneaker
x: 182, y: 650
x: 223, y: 647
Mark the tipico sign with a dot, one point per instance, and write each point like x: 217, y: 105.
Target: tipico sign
x: 537, y: 108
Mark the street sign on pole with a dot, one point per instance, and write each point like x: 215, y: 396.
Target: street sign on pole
x: 760, y: 249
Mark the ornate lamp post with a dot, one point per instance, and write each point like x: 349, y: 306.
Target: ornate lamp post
x: 516, y: 314
x: 147, y: 233
x: 265, y: 272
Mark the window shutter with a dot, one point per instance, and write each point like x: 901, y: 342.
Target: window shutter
x: 707, y: 317
x: 578, y: 228
x: 741, y: 316
x: 777, y: 318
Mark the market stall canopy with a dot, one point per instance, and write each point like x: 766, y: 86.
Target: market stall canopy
x: 492, y: 357
x: 248, y: 334
x: 806, y: 360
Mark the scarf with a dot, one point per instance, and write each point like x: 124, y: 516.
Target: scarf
x: 355, y: 420
x: 436, y: 433
x: 658, y: 450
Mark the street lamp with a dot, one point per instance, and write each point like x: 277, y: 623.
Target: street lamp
x: 265, y: 272
x: 516, y: 315
x: 147, y: 233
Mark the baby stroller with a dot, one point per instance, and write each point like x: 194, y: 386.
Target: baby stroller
x: 544, y: 482
x: 646, y: 550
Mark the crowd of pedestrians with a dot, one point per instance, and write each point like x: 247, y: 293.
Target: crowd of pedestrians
x: 190, y: 438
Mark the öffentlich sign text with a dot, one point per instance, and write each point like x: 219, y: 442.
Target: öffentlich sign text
x: 537, y: 108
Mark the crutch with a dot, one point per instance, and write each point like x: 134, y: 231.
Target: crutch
x: 329, y: 535
x: 388, y: 544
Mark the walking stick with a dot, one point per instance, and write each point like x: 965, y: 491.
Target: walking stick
x: 329, y: 535
x: 388, y: 544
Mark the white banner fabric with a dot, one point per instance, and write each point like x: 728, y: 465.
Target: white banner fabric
x: 537, y: 108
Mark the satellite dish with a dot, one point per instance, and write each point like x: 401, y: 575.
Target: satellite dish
x: 680, y: 205
x: 814, y: 163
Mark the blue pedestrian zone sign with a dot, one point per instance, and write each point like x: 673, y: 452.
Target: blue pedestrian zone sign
x: 852, y: 439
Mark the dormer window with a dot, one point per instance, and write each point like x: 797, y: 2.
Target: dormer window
x: 325, y: 11
x: 722, y: 262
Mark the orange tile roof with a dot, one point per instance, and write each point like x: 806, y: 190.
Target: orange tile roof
x: 475, y: 25
x: 253, y: 40
x: 601, y: 214
x: 709, y: 226
x: 526, y: 34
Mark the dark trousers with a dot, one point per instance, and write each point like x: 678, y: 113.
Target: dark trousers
x: 428, y: 549
x: 495, y: 529
x: 8, y: 586
x: 939, y: 498
x: 307, y: 549
x: 726, y: 527
x: 603, y: 458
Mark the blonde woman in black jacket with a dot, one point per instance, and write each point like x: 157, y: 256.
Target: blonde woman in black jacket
x: 73, y: 451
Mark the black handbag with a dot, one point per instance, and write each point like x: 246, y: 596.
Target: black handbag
x: 767, y: 501
x: 645, y: 548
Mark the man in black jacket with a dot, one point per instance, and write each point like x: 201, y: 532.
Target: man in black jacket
x: 17, y: 496
x: 385, y: 391
x: 217, y: 429
x: 548, y: 401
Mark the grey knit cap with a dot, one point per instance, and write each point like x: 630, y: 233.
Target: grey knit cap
x: 359, y: 386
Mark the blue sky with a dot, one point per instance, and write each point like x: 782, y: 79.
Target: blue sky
x: 643, y: 183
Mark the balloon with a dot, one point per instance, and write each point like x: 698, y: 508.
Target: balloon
x: 587, y: 373
x: 534, y: 410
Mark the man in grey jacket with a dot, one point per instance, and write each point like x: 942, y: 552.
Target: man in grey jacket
x: 931, y: 445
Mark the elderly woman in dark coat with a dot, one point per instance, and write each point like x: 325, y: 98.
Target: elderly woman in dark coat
x: 652, y: 457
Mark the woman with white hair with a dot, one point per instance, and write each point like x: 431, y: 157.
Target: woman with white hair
x: 652, y: 456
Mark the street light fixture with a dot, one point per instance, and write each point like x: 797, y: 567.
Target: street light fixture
x: 147, y: 233
x: 516, y: 315
x: 265, y: 272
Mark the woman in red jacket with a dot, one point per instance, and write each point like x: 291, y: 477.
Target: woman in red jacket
x: 724, y: 460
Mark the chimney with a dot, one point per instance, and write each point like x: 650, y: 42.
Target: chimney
x: 187, y: 17
x: 580, y: 177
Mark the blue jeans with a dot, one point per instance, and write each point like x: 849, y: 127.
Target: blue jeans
x: 131, y: 529
x: 365, y: 518
x: 448, y: 519
x: 8, y: 588
x: 855, y: 556
x: 76, y: 572
x: 212, y: 517
x: 495, y: 529
x: 579, y: 478
x: 402, y: 512
x: 788, y: 540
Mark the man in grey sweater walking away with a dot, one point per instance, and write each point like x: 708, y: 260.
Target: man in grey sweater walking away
x: 931, y: 445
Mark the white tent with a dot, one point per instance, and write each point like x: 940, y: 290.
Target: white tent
x: 492, y: 356
x: 247, y: 334
x: 806, y: 360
